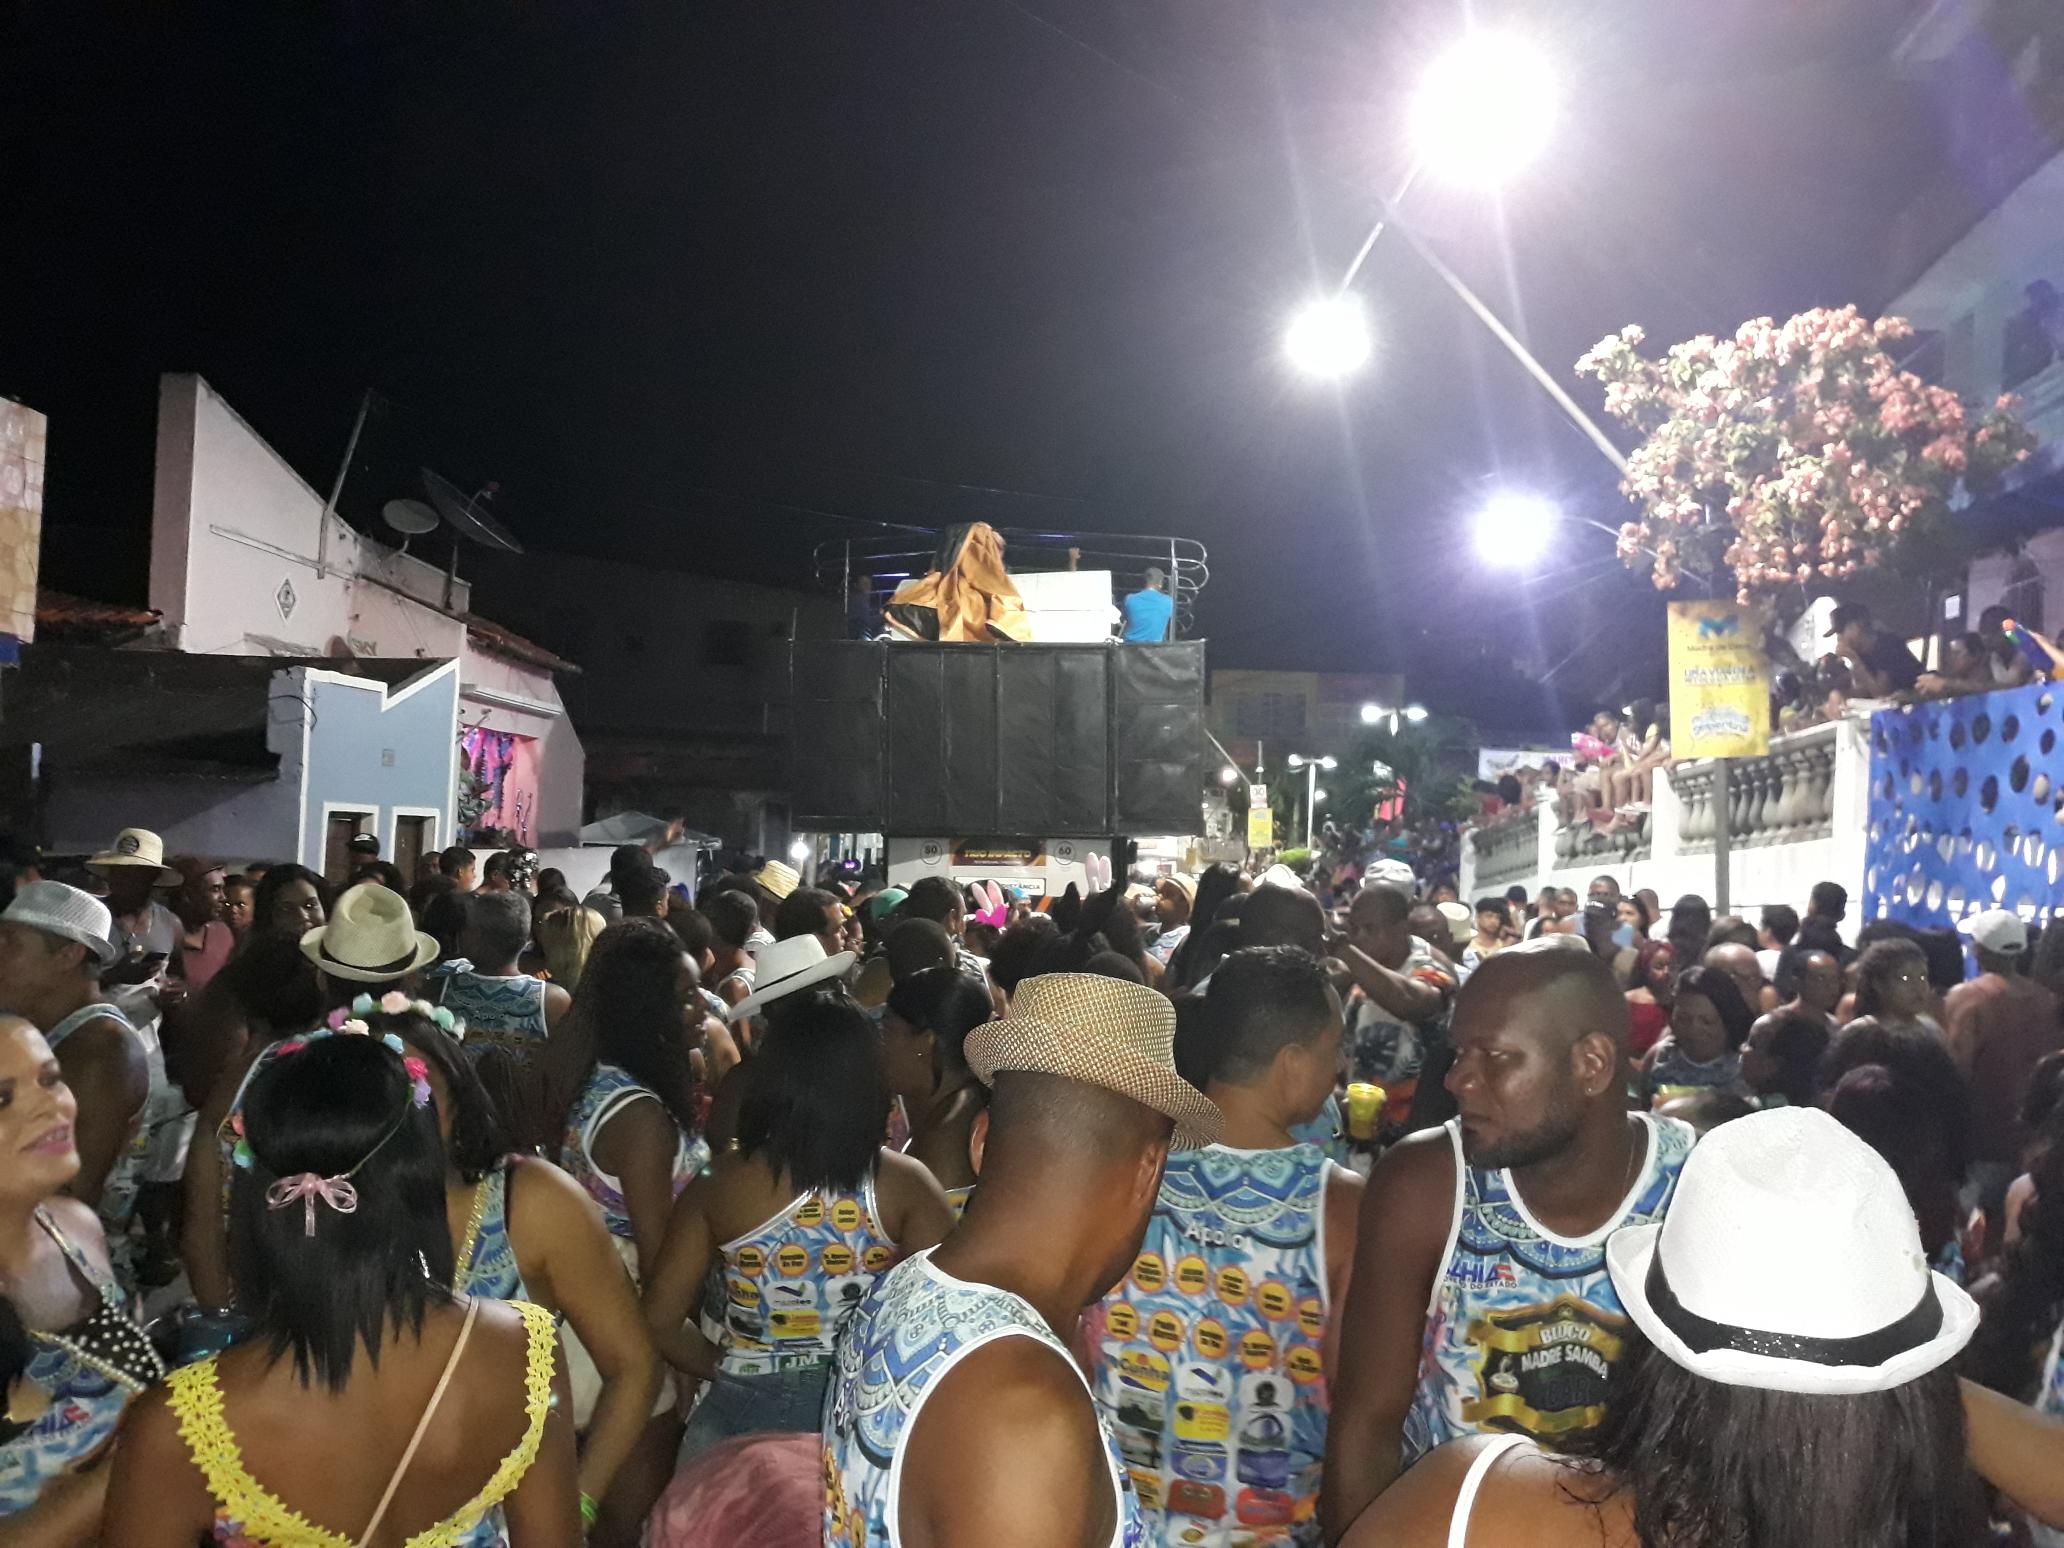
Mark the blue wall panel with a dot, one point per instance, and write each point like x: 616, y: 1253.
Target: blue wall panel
x: 1967, y: 807
x: 372, y: 749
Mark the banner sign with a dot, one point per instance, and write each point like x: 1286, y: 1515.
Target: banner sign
x: 1719, y: 682
x: 1261, y: 828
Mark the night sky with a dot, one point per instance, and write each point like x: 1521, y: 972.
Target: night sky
x: 698, y: 283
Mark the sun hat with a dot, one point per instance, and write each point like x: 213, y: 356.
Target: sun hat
x: 1391, y: 873
x: 1790, y: 1260
x: 1103, y: 1032
x: 69, y: 914
x: 370, y: 938
x: 786, y: 967
x: 1182, y: 882
x: 777, y: 880
x: 1461, y: 922
x: 137, y: 846
x: 2000, y: 931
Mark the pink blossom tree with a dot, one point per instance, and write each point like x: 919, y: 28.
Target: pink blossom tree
x: 1792, y: 453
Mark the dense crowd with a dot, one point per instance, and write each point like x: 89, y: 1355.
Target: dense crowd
x: 1197, y: 1210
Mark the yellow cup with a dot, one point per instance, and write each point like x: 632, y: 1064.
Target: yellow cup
x: 1364, y: 1109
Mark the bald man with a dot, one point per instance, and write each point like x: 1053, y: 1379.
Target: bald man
x: 1739, y: 963
x: 1479, y: 1296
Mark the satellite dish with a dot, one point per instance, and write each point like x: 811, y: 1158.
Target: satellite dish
x: 411, y: 518
x: 467, y: 516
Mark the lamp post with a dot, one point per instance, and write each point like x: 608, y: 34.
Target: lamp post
x: 1377, y: 714
x: 1312, y: 793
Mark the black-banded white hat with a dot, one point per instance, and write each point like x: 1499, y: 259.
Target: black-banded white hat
x: 1790, y: 1260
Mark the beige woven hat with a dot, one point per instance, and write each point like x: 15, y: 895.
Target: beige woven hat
x: 371, y: 938
x: 777, y: 880
x: 137, y: 847
x: 1103, y: 1032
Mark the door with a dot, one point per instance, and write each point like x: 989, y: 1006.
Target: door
x: 340, y: 829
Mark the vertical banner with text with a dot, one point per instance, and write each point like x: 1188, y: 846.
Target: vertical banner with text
x: 1719, y: 682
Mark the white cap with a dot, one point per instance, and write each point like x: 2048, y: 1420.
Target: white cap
x: 1997, y: 930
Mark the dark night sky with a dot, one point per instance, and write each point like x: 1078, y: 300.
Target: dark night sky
x: 679, y: 275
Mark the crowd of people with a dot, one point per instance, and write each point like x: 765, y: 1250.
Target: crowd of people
x: 1197, y: 1210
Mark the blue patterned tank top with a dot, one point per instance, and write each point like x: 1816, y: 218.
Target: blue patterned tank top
x: 90, y: 1373
x: 792, y: 1282
x: 914, y: 1326
x: 1524, y: 1327
x: 487, y: 1264
x: 125, y: 1177
x: 504, y: 1009
x: 2050, y: 1400
x: 1207, y: 1362
x: 609, y: 1090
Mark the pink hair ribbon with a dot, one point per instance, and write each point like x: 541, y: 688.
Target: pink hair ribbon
x: 337, y: 1192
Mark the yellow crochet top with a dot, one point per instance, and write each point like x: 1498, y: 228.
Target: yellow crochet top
x: 258, y: 1517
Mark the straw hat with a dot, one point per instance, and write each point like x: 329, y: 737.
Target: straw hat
x: 1790, y: 1260
x: 137, y: 846
x: 67, y: 913
x: 1103, y: 1032
x: 786, y: 968
x: 370, y: 939
x: 777, y: 880
x: 1182, y: 882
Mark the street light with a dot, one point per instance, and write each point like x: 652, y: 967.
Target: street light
x: 1329, y: 336
x: 800, y: 850
x: 1485, y: 109
x: 1377, y: 714
x: 1514, y: 529
x: 1312, y: 793
x: 1229, y: 775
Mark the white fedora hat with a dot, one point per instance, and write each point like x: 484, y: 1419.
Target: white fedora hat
x: 788, y: 966
x: 370, y: 939
x: 69, y: 914
x: 1103, y: 1032
x: 137, y: 846
x: 1790, y: 1260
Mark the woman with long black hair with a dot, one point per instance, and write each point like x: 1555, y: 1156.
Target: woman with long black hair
x: 928, y: 1019
x: 370, y: 1396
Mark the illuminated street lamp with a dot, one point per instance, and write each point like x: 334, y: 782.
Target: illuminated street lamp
x: 1377, y: 714
x: 1312, y: 793
x: 1229, y: 775
x: 1514, y: 529
x: 1329, y: 336
x: 1485, y: 109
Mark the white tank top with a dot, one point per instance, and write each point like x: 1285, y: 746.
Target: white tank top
x: 1479, y: 1469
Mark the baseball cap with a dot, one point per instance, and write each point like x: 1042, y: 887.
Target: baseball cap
x: 1997, y: 930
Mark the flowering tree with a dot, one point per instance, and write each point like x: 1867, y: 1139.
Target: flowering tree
x: 1792, y: 451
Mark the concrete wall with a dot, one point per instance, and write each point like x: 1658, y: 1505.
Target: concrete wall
x: 373, y: 749
x: 226, y: 821
x: 235, y: 539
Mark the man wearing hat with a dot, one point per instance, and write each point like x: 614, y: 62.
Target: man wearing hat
x: 134, y: 866
x: 1480, y: 1297
x: 1174, y: 896
x: 370, y: 938
x: 1880, y: 662
x: 956, y: 1413
x: 53, y: 947
x: 1999, y: 1024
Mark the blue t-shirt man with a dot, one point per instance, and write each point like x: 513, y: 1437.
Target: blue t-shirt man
x: 1148, y: 612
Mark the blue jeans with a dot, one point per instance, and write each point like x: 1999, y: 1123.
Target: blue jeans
x: 747, y: 1405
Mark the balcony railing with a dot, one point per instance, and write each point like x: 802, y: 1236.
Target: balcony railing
x: 1507, y: 851
x: 1784, y: 797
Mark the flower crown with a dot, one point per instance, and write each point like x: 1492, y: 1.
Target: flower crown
x: 350, y: 1022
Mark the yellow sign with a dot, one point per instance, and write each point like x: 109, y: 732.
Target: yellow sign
x: 1261, y: 828
x: 1719, y: 682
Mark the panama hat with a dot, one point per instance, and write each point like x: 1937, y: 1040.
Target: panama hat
x: 1182, y: 882
x: 1790, y: 1260
x: 370, y: 939
x: 69, y: 914
x: 1103, y: 1032
x: 787, y: 967
x: 137, y: 846
x: 1461, y: 922
x: 777, y: 880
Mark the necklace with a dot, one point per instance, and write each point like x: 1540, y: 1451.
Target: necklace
x: 464, y: 1261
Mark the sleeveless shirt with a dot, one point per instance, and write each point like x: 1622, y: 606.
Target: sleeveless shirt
x: 793, y: 1281
x: 914, y: 1326
x: 608, y: 1091
x: 90, y: 1370
x: 125, y: 1178
x: 1207, y: 1363
x: 505, y: 1009
x: 1524, y: 1326
x: 487, y: 1264
x: 247, y: 1515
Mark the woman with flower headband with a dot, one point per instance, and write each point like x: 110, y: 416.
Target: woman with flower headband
x: 371, y: 1406
x: 367, y: 946
x: 88, y: 1358
x: 522, y: 1230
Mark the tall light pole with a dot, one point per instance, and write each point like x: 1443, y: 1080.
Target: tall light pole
x: 1312, y: 793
